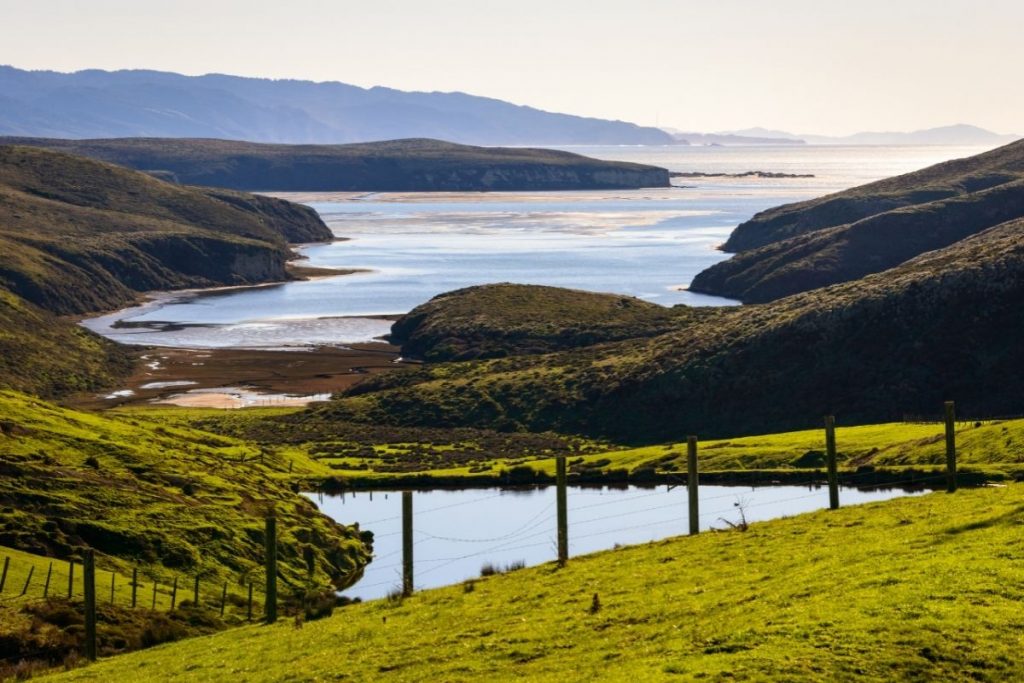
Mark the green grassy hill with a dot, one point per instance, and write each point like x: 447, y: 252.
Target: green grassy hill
x: 942, y: 326
x: 916, y: 589
x: 500, y: 320
x: 48, y: 356
x: 393, y: 165
x: 170, y: 499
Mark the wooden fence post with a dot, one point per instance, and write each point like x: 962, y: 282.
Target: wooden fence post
x: 407, y: 575
x: 135, y: 585
x: 3, y: 576
x: 223, y: 598
x: 113, y: 580
x: 153, y: 606
x: 28, y: 579
x: 833, y: 468
x: 693, y: 484
x: 270, y: 599
x: 174, y: 593
x: 562, y: 504
x: 89, y: 586
x: 71, y: 578
x: 250, y: 601
x: 46, y: 586
x: 950, y: 447
x: 195, y: 593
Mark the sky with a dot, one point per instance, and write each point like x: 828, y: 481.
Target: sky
x: 805, y: 66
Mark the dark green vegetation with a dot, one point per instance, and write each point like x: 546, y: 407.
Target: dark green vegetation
x: 397, y: 165
x: 844, y: 236
x: 915, y: 589
x: 944, y: 325
x: 50, y: 356
x: 78, y: 235
x: 502, y: 320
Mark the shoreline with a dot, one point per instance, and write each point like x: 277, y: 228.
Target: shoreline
x: 912, y: 478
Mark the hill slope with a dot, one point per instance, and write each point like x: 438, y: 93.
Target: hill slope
x: 942, y: 181
x: 870, y: 245
x: 944, y: 325
x: 79, y: 235
x: 395, y: 165
x: 492, y: 321
x: 914, y: 589
x: 97, y: 103
x: 52, y: 357
x: 167, y: 499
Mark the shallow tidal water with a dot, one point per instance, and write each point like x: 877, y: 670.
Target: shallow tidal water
x: 456, y: 532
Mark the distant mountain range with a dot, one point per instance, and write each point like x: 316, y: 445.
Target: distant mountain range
x: 959, y: 134
x: 137, y: 103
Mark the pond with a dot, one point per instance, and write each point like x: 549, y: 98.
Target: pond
x: 456, y: 532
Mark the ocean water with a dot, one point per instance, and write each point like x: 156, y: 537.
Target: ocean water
x: 648, y: 243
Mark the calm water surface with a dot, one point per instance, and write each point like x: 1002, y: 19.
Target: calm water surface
x: 647, y: 243
x: 456, y: 532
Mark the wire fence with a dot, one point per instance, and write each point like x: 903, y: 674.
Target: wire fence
x: 538, y: 531
x: 26, y: 579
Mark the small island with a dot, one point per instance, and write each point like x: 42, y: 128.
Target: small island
x: 744, y: 174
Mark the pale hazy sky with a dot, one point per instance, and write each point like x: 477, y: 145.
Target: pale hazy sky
x: 811, y: 66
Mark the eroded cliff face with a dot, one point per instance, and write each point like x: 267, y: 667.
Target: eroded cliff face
x: 78, y: 277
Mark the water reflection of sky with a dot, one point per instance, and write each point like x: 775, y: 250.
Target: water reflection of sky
x: 417, y: 250
x: 456, y: 532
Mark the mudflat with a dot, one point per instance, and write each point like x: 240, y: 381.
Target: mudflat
x: 163, y: 372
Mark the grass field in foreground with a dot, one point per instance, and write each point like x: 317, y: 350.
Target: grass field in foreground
x: 925, y: 588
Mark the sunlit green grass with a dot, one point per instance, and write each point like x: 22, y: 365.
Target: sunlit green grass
x: 989, y: 446
x: 925, y: 588
x: 897, y: 443
x: 170, y: 499
x: 20, y: 564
